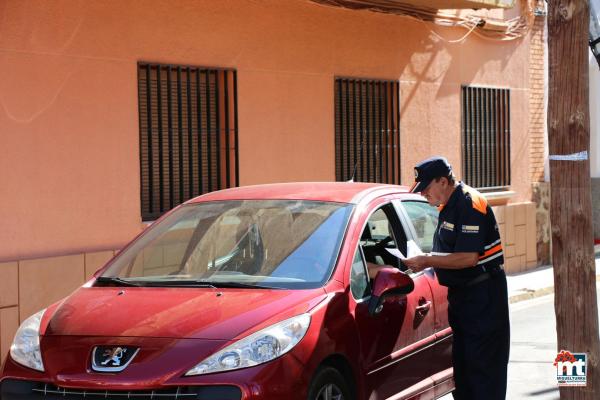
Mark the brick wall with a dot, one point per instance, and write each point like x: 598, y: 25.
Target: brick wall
x: 541, y: 198
x: 537, y: 135
x: 536, y: 99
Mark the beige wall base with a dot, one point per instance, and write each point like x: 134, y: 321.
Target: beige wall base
x: 27, y: 286
x: 517, y: 225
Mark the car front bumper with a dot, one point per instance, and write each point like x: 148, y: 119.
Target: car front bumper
x: 280, y: 379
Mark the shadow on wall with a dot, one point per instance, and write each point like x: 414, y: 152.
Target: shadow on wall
x: 431, y: 80
x: 460, y: 54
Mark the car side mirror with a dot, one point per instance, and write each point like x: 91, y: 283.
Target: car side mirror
x: 389, y: 282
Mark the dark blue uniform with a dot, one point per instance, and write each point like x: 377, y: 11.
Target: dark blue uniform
x: 477, y: 296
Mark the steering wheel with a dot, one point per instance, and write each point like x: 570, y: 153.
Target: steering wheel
x: 383, y: 243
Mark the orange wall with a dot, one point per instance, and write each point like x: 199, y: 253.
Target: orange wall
x: 69, y: 155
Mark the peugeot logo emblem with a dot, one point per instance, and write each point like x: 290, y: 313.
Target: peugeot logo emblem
x: 112, y: 358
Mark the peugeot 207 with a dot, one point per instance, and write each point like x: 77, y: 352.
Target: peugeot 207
x: 286, y: 291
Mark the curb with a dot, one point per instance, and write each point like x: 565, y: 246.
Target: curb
x: 528, y: 294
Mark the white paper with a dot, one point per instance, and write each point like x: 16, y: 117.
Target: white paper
x: 397, y: 253
x: 412, y: 250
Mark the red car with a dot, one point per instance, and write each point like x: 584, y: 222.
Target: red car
x: 286, y: 291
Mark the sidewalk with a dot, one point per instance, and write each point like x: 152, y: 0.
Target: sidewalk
x: 537, y: 282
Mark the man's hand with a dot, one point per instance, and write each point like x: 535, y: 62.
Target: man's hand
x: 417, y: 263
x: 449, y: 261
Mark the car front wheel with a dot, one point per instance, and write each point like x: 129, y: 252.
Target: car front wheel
x: 329, y: 384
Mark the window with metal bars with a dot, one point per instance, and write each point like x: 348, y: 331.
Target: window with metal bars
x: 188, y: 134
x: 367, y: 130
x: 486, y: 137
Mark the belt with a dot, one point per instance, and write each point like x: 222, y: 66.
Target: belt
x: 494, y: 269
x: 487, y: 273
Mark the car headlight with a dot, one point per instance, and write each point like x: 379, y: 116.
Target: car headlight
x: 25, y: 348
x: 260, y: 347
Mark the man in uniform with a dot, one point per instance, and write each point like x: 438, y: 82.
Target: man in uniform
x: 468, y: 259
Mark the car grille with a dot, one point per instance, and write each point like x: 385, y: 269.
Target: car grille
x: 28, y: 390
x: 174, y: 394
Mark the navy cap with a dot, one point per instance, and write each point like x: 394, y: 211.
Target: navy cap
x: 428, y: 170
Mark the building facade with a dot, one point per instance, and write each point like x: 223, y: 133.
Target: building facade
x: 113, y: 112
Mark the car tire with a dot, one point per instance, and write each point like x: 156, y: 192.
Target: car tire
x: 329, y: 384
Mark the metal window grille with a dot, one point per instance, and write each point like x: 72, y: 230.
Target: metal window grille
x: 367, y: 130
x: 188, y: 134
x: 486, y: 137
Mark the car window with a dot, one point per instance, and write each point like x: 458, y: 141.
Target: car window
x: 359, y: 280
x: 273, y: 243
x: 381, y: 236
x: 424, y: 219
x: 378, y: 236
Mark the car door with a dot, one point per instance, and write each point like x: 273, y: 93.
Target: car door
x: 395, y: 342
x: 420, y: 219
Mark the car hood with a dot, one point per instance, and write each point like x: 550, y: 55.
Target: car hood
x: 195, y: 313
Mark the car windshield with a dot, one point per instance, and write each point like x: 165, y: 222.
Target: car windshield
x: 249, y: 244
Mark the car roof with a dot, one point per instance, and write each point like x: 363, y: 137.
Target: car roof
x: 341, y: 192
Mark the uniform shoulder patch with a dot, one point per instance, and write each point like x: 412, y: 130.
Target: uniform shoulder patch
x: 477, y: 200
x: 470, y: 229
x: 447, y: 225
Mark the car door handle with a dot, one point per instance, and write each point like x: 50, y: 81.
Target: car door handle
x: 421, y: 311
x: 424, y: 307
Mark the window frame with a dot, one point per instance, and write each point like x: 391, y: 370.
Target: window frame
x: 188, y: 133
x: 378, y: 116
x: 407, y: 221
x: 399, y: 230
x: 366, y: 272
x: 486, y: 137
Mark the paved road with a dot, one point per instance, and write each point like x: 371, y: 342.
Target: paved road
x: 531, y: 374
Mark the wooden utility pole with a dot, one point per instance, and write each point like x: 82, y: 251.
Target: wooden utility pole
x: 570, y: 208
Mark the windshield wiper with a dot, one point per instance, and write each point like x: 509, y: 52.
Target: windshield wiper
x: 180, y: 283
x: 116, y: 281
x: 241, y: 285
x: 206, y: 283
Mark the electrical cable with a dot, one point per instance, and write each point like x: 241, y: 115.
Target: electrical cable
x: 504, y: 30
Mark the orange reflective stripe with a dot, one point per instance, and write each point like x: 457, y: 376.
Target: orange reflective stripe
x: 491, y: 251
x: 479, y: 202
